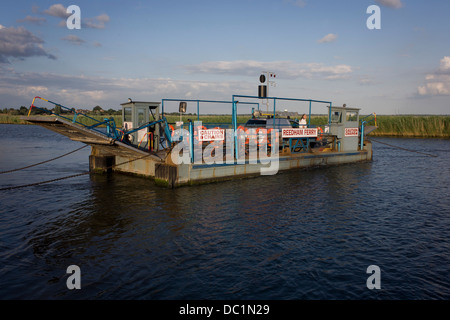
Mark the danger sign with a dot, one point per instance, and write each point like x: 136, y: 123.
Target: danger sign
x: 299, y: 133
x: 351, y: 132
x: 211, y: 135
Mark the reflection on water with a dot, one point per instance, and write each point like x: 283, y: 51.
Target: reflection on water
x: 303, y: 234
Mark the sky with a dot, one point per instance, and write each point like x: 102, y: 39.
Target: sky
x: 199, y: 49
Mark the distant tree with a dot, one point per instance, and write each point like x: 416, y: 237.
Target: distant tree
x: 23, y: 110
x: 57, y: 109
x: 97, y: 109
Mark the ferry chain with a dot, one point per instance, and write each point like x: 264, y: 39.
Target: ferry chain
x: 68, y: 177
x: 390, y: 145
x: 36, y: 164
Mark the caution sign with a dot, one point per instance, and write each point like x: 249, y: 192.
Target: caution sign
x: 299, y: 133
x: 351, y: 132
x: 211, y: 135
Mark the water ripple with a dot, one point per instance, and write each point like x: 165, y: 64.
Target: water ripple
x: 306, y: 234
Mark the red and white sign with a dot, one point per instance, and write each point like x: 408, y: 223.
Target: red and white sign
x: 351, y: 132
x: 299, y: 133
x: 211, y: 135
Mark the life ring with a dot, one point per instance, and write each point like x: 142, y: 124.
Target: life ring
x: 130, y: 137
x: 243, y: 129
x: 319, y: 134
x: 125, y: 136
x: 252, y: 135
x: 172, y: 129
x: 262, y: 139
x: 269, y: 140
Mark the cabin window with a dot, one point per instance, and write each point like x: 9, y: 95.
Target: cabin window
x: 352, y: 116
x: 141, y: 116
x: 127, y: 114
x: 336, y: 117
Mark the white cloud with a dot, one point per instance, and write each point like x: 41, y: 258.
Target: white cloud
x: 328, y: 38
x: 103, y: 18
x: 445, y: 64
x: 365, y: 81
x: 59, y: 11
x: 33, y: 20
x: 95, y: 23
x: 438, y: 82
x: 19, y: 88
x: 73, y: 39
x: 20, y: 43
x: 435, y: 88
x: 284, y: 69
x: 300, y: 3
x: 390, y: 3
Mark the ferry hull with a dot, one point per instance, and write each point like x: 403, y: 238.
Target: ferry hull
x: 111, y: 155
x: 171, y: 175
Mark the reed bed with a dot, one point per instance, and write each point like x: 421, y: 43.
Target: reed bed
x: 413, y: 126
x: 11, y: 119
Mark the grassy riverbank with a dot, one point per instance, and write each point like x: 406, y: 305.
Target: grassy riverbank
x: 413, y: 126
x: 388, y: 125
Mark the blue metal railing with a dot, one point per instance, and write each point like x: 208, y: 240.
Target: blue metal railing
x: 275, y: 99
x: 112, y: 131
x: 198, y: 103
x: 370, y: 117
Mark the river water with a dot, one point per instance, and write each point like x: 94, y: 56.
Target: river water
x: 302, y: 234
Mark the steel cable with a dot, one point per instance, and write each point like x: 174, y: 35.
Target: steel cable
x: 36, y: 164
x: 68, y: 177
x: 390, y: 145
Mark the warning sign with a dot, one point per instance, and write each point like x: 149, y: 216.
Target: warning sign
x: 211, y: 135
x: 351, y: 132
x: 299, y: 133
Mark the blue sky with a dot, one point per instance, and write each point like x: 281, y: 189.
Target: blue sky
x: 195, y: 49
